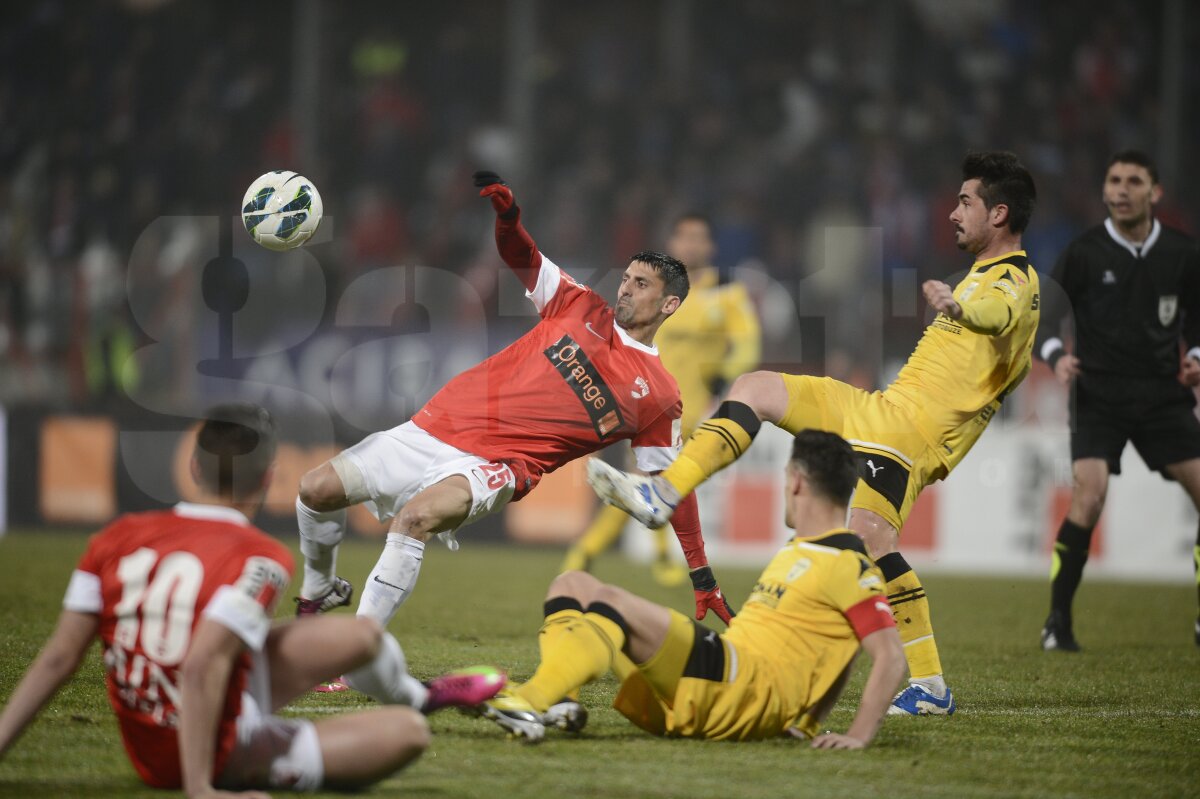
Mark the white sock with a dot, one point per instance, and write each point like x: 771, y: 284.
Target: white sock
x: 935, y: 685
x: 386, y: 678
x: 320, y: 534
x: 392, y: 579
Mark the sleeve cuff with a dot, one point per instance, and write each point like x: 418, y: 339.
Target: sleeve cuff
x: 241, y: 615
x: 1052, y: 350
x: 83, y: 593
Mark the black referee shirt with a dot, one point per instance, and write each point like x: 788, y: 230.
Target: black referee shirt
x: 1131, y: 304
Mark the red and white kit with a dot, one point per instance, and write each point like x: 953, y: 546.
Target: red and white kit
x: 151, y: 578
x: 572, y: 385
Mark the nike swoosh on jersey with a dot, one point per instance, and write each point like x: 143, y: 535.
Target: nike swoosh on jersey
x: 389, y: 585
x: 592, y: 330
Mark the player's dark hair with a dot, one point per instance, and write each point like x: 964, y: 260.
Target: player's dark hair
x: 693, y: 216
x: 1135, y: 157
x: 1003, y: 180
x: 672, y: 271
x: 828, y: 462
x: 234, y: 449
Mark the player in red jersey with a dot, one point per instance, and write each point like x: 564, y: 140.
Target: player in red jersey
x: 182, y: 601
x: 585, y: 376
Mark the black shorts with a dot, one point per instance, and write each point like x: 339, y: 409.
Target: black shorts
x: 1156, y: 414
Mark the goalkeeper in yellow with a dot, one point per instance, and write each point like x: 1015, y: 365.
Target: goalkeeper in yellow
x: 777, y: 670
x: 711, y: 340
x: 974, y: 353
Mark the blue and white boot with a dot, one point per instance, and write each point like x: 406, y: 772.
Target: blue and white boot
x: 917, y: 700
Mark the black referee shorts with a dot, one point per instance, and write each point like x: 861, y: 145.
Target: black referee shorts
x: 1156, y: 414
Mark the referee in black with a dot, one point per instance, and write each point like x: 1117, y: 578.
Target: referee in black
x: 1134, y: 287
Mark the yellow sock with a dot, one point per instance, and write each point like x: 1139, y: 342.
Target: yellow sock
x: 582, y: 650
x: 911, y: 609
x: 605, y: 529
x: 716, y: 443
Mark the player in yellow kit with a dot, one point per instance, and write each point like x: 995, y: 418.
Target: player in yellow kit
x: 711, y: 340
x: 780, y: 667
x: 973, y: 354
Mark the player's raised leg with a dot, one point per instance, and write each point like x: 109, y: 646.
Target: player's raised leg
x: 927, y: 693
x: 1071, y: 551
x: 321, y: 517
x: 443, y: 506
x: 718, y: 442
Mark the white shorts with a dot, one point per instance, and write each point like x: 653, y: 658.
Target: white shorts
x: 271, y: 751
x: 396, y: 464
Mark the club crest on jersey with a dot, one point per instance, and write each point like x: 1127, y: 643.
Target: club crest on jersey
x: 1167, y: 307
x: 583, y: 378
x: 640, y: 388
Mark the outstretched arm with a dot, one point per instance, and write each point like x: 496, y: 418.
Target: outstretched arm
x: 516, y: 246
x: 54, y: 665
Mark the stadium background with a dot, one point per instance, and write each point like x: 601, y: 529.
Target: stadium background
x: 823, y: 139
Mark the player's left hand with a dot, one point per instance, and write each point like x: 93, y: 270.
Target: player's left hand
x: 495, y: 189
x: 709, y: 596
x: 1189, y: 372
x: 940, y: 297
x: 834, y: 740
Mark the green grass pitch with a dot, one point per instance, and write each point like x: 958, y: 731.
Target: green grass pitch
x: 1121, y: 719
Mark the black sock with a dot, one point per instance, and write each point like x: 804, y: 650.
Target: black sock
x: 1071, y: 551
x: 740, y: 413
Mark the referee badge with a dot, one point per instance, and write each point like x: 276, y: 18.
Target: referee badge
x: 1167, y: 306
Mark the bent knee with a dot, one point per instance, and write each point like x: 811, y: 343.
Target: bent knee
x: 321, y: 489
x: 578, y: 585
x: 764, y: 392
x: 880, y: 537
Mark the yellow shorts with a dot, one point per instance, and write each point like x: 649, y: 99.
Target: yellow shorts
x: 699, y: 686
x: 894, y: 458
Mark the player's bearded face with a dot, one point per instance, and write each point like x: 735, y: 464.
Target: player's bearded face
x: 1130, y: 193
x: 970, y: 218
x: 640, y: 297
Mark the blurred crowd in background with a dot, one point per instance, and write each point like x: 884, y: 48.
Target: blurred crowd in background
x: 781, y: 119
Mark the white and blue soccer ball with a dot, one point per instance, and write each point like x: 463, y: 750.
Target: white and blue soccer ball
x: 281, y: 210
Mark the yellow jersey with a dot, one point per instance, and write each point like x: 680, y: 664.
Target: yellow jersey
x: 810, y: 607
x: 714, y: 335
x: 961, y: 367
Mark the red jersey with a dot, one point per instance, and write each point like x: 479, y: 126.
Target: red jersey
x: 574, y: 384
x: 151, y: 577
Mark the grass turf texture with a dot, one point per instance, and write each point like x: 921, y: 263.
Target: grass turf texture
x: 1120, y: 719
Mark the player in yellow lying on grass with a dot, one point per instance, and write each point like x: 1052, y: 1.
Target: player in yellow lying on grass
x: 974, y: 353
x: 712, y: 339
x: 780, y: 667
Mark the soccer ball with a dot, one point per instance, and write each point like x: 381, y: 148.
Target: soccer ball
x: 281, y: 210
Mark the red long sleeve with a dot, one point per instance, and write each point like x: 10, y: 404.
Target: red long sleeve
x: 518, y: 250
x: 686, y: 523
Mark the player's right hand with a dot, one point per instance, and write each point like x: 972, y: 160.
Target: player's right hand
x: 1066, y: 368
x: 709, y: 596
x: 495, y: 189
x: 833, y: 740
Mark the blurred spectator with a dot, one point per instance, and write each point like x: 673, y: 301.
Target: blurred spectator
x: 786, y: 117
